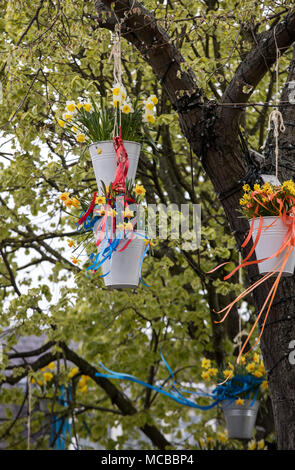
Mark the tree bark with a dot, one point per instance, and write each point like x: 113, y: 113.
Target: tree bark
x: 212, y: 130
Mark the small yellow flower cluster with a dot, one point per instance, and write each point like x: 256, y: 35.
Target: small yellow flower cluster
x: 121, y: 100
x: 75, y: 260
x: 82, y: 384
x: 256, y: 367
x: 222, y: 437
x: 68, y: 201
x: 71, y: 110
x: 150, y: 109
x: 47, y: 375
x: 209, y: 371
x: 254, y: 445
x: 139, y: 190
x: 289, y: 187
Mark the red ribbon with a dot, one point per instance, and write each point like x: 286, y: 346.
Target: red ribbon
x: 90, y: 210
x: 122, y: 163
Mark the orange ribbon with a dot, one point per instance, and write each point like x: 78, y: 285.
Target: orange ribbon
x: 287, y: 244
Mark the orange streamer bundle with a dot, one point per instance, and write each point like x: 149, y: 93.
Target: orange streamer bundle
x: 268, y: 201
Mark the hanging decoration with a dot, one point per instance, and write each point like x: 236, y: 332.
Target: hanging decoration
x: 244, y: 385
x: 121, y: 243
x: 271, y: 213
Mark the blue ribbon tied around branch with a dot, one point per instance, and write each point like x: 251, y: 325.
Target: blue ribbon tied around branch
x: 245, y: 385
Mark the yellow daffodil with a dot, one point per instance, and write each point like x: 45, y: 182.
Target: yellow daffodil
x: 83, y: 380
x: 69, y: 202
x: 149, y: 105
x: 79, y: 105
x: 227, y: 373
x: 126, y: 108
x: 250, y: 367
x: 128, y: 213
x: 246, y: 188
x: 48, y: 376
x: 153, y: 99
x: 222, y: 437
x: 98, y: 151
x: 258, y: 374
x: 149, y: 117
x: 261, y: 444
x: 242, y: 360
x: 116, y: 91
x: 87, y: 106
x: 205, y: 375
x: 257, y: 187
x: 100, y: 200
x: 64, y: 196
x: 252, y: 445
x: 80, y: 138
x: 61, y: 122
x: 264, y: 385
x: 70, y: 106
x: 75, y: 202
x: 67, y: 116
x: 83, y: 389
x: 206, y: 363
x: 256, y: 357
x: 116, y: 102
x: 212, y: 372
x: 261, y: 368
x: 289, y: 186
x: 139, y: 190
x: 51, y: 366
x: 73, y: 372
x: 240, y: 401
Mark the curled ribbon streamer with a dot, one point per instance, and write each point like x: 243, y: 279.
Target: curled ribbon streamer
x: 287, y: 247
x: 89, y: 211
x: 240, y: 384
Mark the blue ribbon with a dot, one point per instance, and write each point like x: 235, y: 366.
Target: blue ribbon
x: 60, y: 426
x: 239, y: 384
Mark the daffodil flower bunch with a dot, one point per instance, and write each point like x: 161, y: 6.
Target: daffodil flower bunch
x: 251, y: 366
x: 89, y: 121
x: 109, y: 204
x: 268, y: 199
x: 69, y: 201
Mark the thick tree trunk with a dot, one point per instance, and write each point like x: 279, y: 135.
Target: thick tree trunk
x: 212, y: 132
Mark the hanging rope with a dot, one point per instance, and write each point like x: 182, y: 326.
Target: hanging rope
x: 275, y: 116
x: 29, y: 411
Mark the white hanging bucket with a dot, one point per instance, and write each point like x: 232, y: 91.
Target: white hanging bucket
x: 124, y: 267
x: 104, y: 160
x: 240, y: 419
x: 269, y: 242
